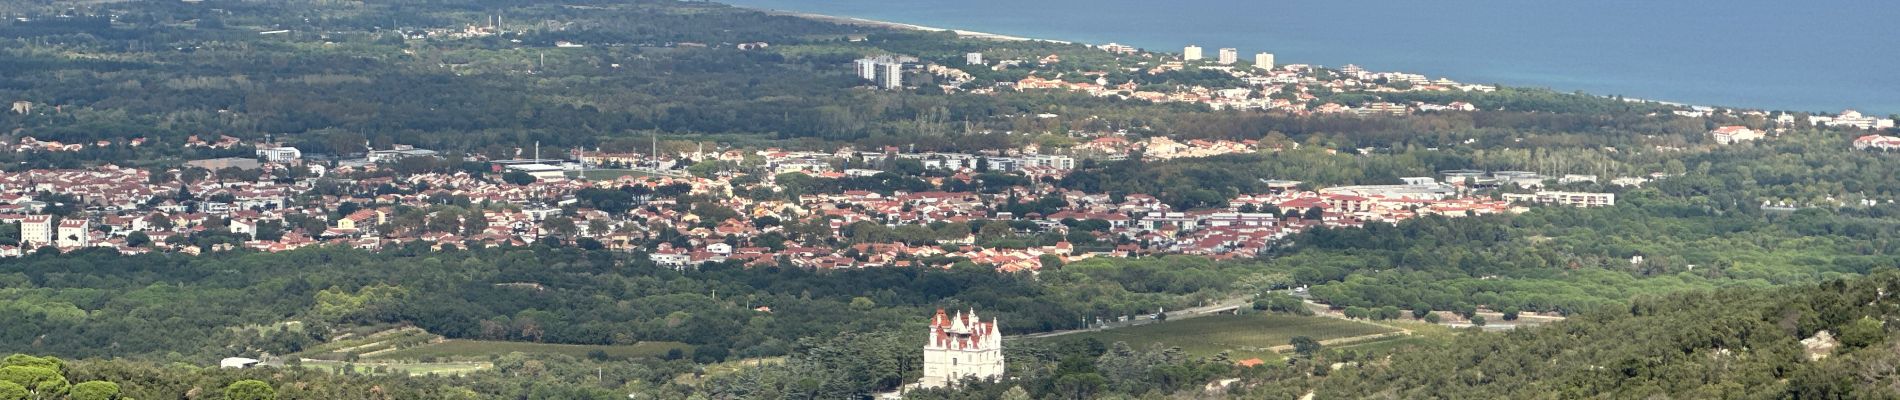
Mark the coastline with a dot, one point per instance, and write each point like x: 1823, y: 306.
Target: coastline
x: 969, y: 34
x: 902, y: 26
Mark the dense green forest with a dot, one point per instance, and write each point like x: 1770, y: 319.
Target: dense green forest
x: 29, y: 377
x: 1725, y: 344
x: 92, y: 304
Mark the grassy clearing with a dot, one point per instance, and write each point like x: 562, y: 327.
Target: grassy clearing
x: 417, y: 351
x: 481, y: 350
x: 267, y: 330
x: 1420, y: 328
x: 403, y: 368
x: 1388, y: 345
x: 369, y: 344
x: 723, y: 368
x: 1242, y: 336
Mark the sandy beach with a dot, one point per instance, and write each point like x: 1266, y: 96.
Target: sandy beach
x: 900, y: 25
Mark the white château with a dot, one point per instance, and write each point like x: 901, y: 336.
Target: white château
x: 961, y: 346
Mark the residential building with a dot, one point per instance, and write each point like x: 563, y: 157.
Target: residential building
x: 361, y: 219
x: 242, y: 227
x: 886, y: 71
x: 1877, y: 142
x: 36, y: 230
x: 667, y: 256
x: 74, y: 232
x: 1851, y: 118
x: 973, y: 58
x: 1191, y: 53
x: 1263, y: 61
x: 1575, y: 178
x: 890, y: 76
x: 1229, y: 56
x: 1629, y: 181
x: 1118, y: 48
x: 1573, y: 199
x: 1784, y: 119
x: 1354, y: 71
x: 1382, y: 108
x: 1733, y: 134
x: 867, y: 68
x: 960, y: 347
x: 1049, y: 161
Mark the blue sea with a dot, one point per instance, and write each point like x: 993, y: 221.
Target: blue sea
x: 1816, y: 55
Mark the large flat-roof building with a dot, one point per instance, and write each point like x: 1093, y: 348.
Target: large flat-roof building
x: 1191, y: 53
x: 887, y: 71
x: 74, y: 232
x: 216, y: 164
x: 1427, y: 191
x: 36, y: 231
x: 279, y: 154
x: 1573, y: 199
x: 890, y: 76
x: 867, y: 68
x: 400, y: 152
x: 540, y: 171
x: 1263, y: 61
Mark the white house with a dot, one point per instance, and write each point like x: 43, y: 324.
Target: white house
x: 1877, y: 142
x: 237, y: 362
x: 1735, y: 134
x: 242, y: 227
x: 76, y: 232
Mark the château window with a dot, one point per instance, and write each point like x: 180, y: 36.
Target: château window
x: 953, y: 362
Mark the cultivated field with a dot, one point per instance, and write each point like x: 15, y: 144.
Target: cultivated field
x: 407, y: 368
x: 413, y: 351
x: 457, y: 349
x: 1242, y: 336
x: 724, y: 368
